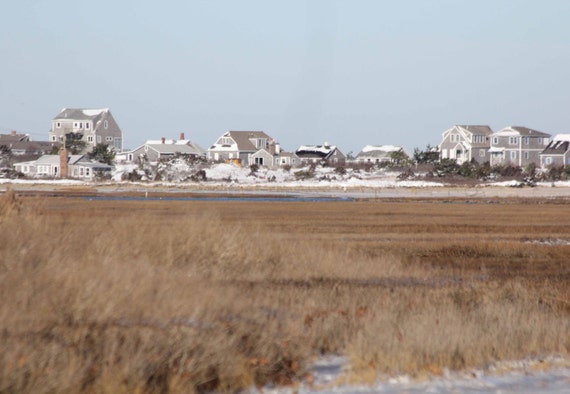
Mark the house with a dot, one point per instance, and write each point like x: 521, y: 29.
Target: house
x: 325, y: 153
x: 14, y: 136
x: 91, y: 126
x: 557, y: 152
x: 379, y: 154
x: 156, y: 150
x: 464, y: 143
x: 518, y: 146
x: 245, y: 148
x: 63, y: 166
x: 283, y: 159
x: 22, y: 145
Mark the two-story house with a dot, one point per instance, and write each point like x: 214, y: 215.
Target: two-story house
x: 557, y: 152
x: 464, y: 143
x: 517, y: 146
x: 92, y: 126
x: 240, y: 146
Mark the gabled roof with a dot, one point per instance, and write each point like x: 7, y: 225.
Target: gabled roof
x: 81, y: 113
x: 170, y: 147
x: 477, y: 129
x: 520, y: 131
x: 242, y: 139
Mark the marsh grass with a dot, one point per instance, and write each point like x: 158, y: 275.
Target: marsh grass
x: 195, y: 297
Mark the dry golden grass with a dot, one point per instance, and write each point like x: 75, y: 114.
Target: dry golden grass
x: 175, y: 296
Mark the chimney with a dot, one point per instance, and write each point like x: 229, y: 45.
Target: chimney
x: 63, y: 166
x: 277, y: 148
x: 181, y: 136
x: 14, y: 133
x: 163, y: 140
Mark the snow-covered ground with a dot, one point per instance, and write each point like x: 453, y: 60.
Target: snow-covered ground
x: 550, y: 375
x: 358, y: 183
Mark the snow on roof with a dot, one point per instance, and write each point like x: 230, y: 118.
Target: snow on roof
x: 383, y: 148
x: 94, y: 112
x: 316, y: 148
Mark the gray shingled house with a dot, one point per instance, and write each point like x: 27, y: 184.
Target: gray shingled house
x: 557, y: 152
x: 518, y: 146
x: 156, y: 150
x: 92, y: 126
x: 464, y: 143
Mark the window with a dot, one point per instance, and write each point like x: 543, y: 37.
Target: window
x: 87, y: 126
x: 548, y: 160
x: 495, y: 140
x: 226, y: 141
x: 513, y: 155
x: 87, y: 172
x: 259, y: 161
x: 80, y: 125
x: 526, y: 140
x: 545, y: 141
x: 58, y: 125
x: 106, y: 124
x: 109, y: 139
x: 454, y: 138
x: 481, y: 152
x: 117, y: 142
x: 526, y: 155
x: 260, y: 143
x: 98, y: 139
x: 53, y: 138
x: 513, y: 140
x: 89, y: 138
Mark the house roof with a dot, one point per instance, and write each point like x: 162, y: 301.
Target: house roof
x: 558, y: 146
x: 81, y: 113
x: 242, y: 139
x: 379, y: 151
x: 32, y: 146
x: 477, y: 129
x: 173, y: 146
x: 520, y: 131
x: 315, y: 151
x: 14, y: 137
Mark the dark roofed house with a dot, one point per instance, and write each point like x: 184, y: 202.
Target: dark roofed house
x: 557, y: 152
x: 325, y: 153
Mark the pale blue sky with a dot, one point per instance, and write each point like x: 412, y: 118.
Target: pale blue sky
x: 347, y: 72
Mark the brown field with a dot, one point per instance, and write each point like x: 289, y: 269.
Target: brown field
x: 195, y: 296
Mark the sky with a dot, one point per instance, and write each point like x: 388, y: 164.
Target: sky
x: 350, y: 73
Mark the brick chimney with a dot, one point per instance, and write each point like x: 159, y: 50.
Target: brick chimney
x: 181, y: 136
x: 163, y: 139
x: 63, y: 162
